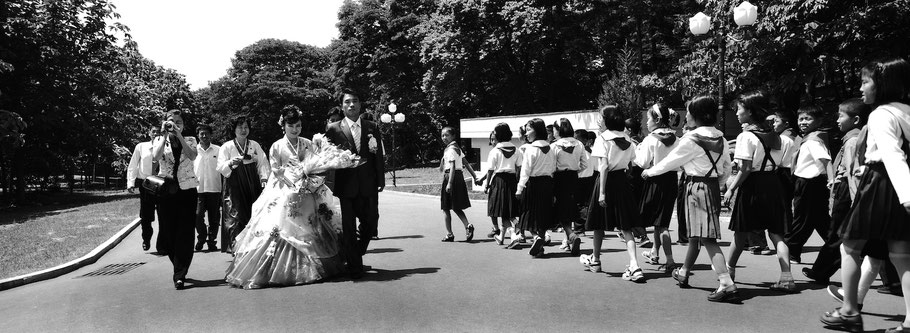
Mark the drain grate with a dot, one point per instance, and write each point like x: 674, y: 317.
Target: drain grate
x: 114, y: 269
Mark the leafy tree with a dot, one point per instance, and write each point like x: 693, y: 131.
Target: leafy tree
x: 265, y: 77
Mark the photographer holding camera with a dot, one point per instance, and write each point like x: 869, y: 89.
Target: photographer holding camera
x: 245, y: 168
x: 177, y: 205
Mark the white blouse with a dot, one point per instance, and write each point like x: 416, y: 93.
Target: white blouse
x: 651, y: 151
x: 229, y: 150
x: 692, y: 158
x: 452, y: 155
x: 612, y: 157
x: 749, y: 148
x: 535, y: 162
x: 498, y: 162
x: 574, y: 161
x: 889, y: 126
x: 186, y: 177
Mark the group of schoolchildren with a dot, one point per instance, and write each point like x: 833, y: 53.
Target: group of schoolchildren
x: 789, y: 186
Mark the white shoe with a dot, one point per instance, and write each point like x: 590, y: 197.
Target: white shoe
x: 589, y: 262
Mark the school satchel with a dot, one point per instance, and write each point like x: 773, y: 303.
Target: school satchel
x: 159, y: 186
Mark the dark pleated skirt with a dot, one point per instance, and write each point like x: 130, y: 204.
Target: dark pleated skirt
x: 459, y: 197
x: 759, y: 204
x: 876, y: 214
x: 635, y: 181
x: 702, y: 209
x: 657, y: 200
x: 621, y: 211
x: 241, y: 189
x: 537, y: 204
x: 564, y: 187
x: 501, y: 201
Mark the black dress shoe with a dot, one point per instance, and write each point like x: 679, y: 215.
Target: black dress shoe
x: 145, y: 245
x: 213, y: 247
x: 724, y: 295
x: 178, y: 284
x: 199, y: 246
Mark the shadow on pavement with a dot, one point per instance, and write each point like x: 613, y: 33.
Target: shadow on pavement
x: 401, y: 237
x: 384, y: 250
x: 375, y: 274
x: 193, y: 283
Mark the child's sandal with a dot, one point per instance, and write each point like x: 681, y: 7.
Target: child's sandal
x: 681, y: 281
x: 784, y: 286
x: 634, y: 276
x: 650, y: 258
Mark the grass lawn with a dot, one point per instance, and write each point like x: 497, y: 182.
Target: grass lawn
x: 425, y: 181
x: 60, y: 227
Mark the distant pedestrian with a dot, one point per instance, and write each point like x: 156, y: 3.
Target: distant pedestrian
x: 209, y: 189
x: 141, y: 166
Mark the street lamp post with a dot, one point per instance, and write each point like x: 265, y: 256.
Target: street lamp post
x: 745, y: 14
x: 391, y: 118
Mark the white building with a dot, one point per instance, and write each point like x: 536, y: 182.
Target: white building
x: 477, y: 130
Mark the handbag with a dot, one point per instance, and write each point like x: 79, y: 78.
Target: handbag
x: 159, y: 186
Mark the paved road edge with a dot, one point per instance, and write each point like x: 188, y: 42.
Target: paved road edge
x: 73, y: 265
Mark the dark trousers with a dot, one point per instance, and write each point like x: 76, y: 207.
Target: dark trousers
x: 146, y: 211
x: 208, y: 203
x: 810, y: 212
x: 828, y: 261
x: 366, y: 209
x: 681, y: 231
x: 176, y: 215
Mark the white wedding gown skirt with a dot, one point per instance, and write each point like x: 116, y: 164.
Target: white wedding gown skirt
x: 292, y: 238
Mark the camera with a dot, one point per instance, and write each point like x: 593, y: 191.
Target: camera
x: 247, y: 157
x: 169, y: 126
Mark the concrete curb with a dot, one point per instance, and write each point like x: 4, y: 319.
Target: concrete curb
x: 73, y: 265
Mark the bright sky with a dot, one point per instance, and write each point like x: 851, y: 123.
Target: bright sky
x: 198, y: 38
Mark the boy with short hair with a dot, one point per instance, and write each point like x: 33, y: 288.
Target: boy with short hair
x: 813, y: 173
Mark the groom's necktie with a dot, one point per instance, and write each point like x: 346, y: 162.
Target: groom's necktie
x: 355, y: 131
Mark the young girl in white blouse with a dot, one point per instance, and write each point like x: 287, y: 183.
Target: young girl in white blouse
x: 881, y: 208
x: 535, y: 185
x: 702, y: 153
x: 504, y: 161
x: 759, y: 200
x: 658, y: 193
x: 454, y: 193
x: 612, y: 203
x: 570, y: 159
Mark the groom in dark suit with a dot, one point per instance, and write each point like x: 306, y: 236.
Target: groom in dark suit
x: 357, y: 189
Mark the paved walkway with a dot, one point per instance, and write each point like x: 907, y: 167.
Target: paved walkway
x: 419, y: 284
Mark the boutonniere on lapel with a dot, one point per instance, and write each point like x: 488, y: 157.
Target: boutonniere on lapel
x: 372, y: 144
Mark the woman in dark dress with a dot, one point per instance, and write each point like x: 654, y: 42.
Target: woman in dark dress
x: 245, y: 168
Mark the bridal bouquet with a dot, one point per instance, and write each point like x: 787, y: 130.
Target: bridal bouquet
x: 305, y: 175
